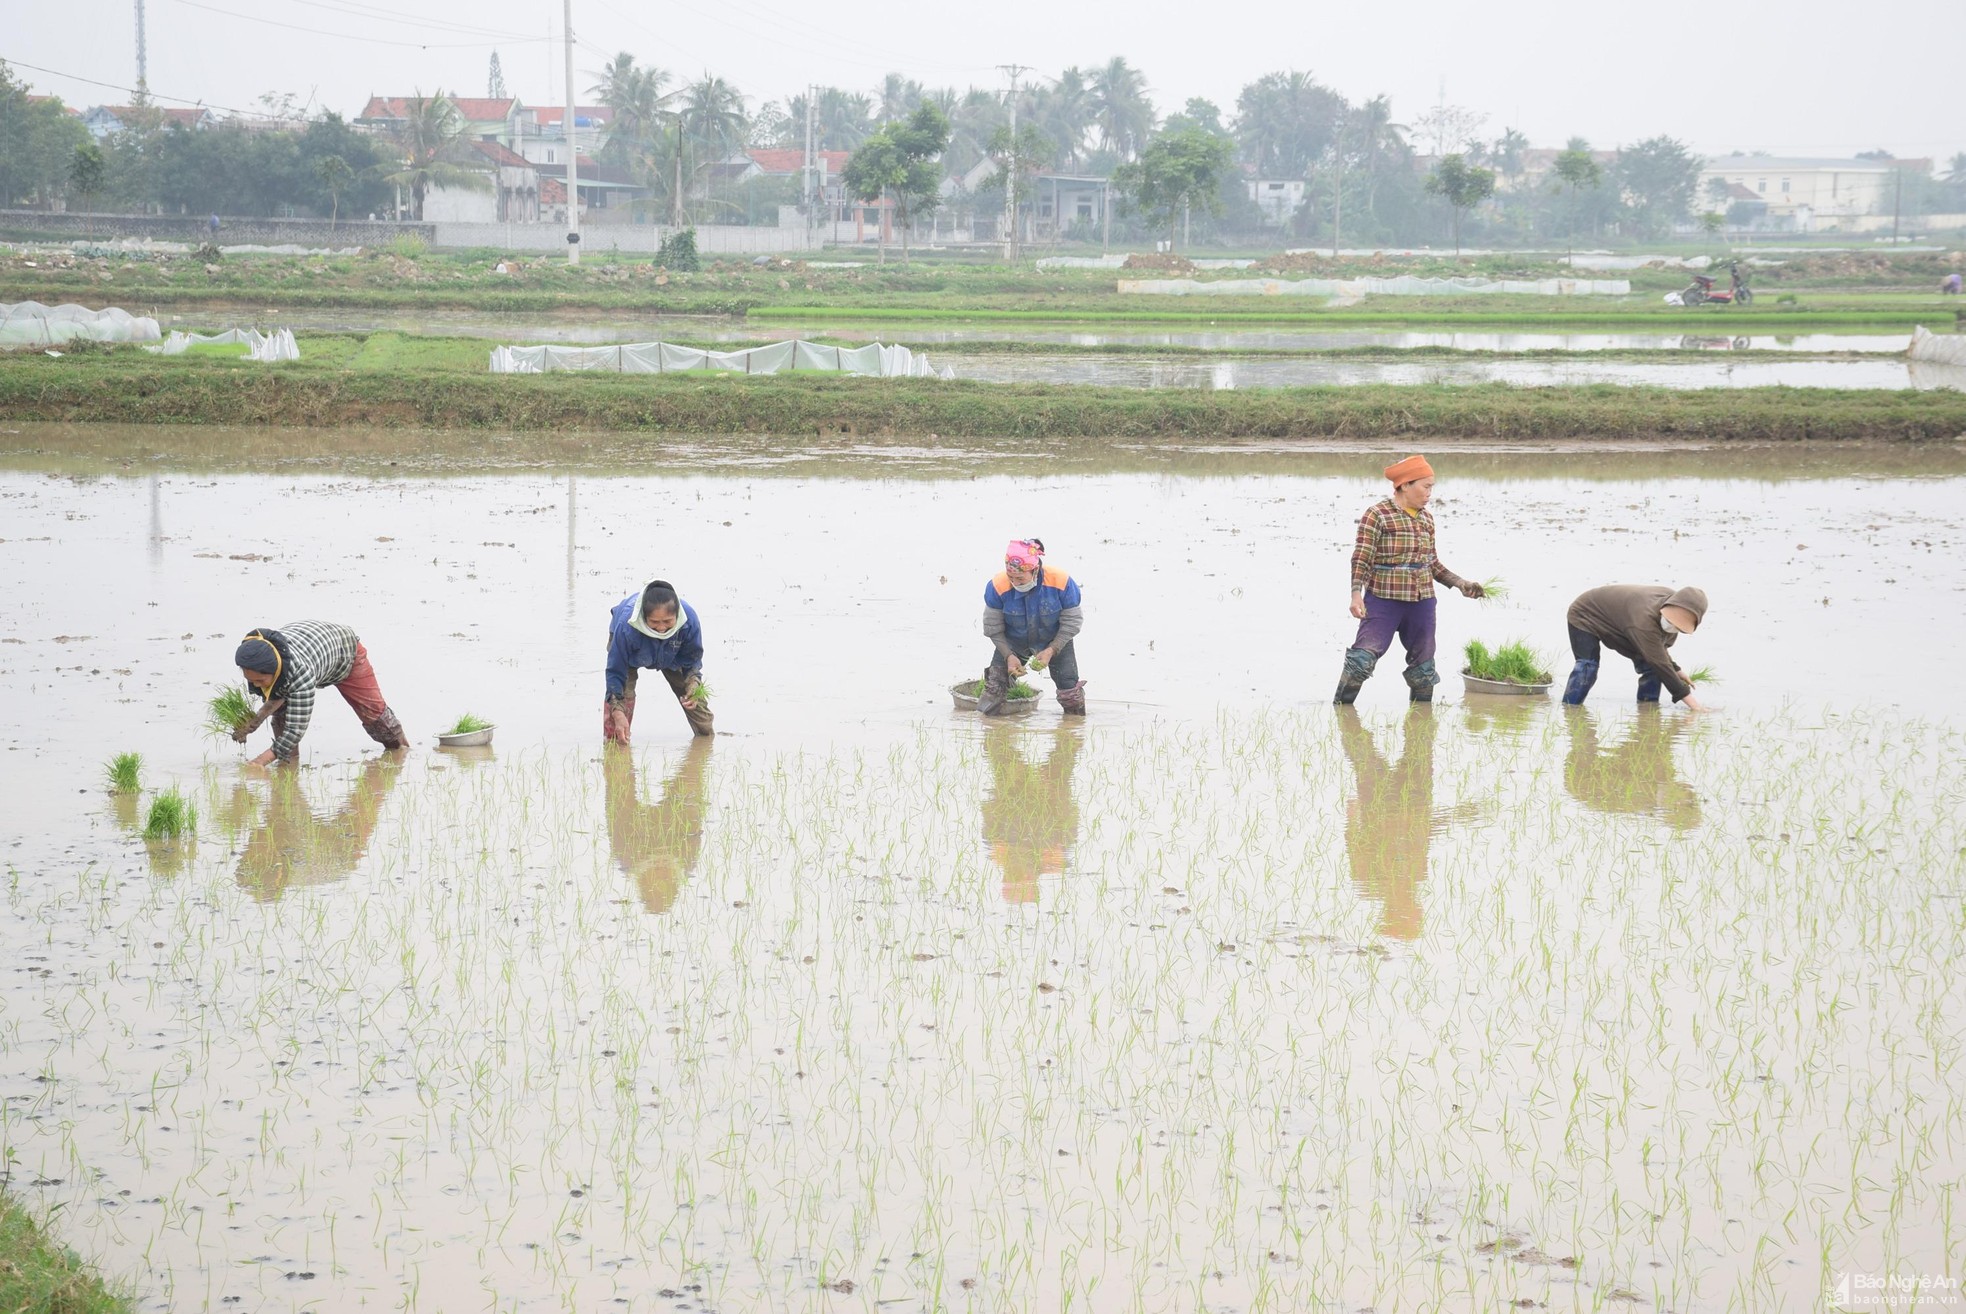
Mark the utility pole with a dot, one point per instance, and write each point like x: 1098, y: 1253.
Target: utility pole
x: 811, y: 187
x: 573, y: 152
x: 143, y: 60
x: 1010, y: 180
x: 1338, y: 192
x: 1897, y: 200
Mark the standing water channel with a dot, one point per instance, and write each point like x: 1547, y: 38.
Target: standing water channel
x: 1216, y: 998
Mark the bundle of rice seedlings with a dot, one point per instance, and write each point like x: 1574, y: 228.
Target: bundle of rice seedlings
x: 468, y: 724
x: 228, y: 709
x: 1513, y: 663
x: 125, y: 772
x: 172, y: 816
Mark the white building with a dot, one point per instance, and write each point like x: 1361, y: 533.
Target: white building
x: 1807, y: 194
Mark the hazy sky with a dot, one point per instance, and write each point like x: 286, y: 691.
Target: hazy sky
x: 1775, y: 75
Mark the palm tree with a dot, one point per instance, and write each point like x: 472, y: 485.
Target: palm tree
x: 1286, y: 121
x: 973, y: 121
x: 1121, y: 110
x: 1380, y: 143
x: 842, y: 119
x: 1064, y: 113
x: 898, y: 98
x: 431, y: 138
x: 635, y: 92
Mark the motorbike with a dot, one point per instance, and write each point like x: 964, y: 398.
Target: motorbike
x: 1702, y: 291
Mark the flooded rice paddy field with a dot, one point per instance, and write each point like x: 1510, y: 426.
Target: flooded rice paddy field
x: 604, y: 328
x: 1724, y: 371
x: 1219, y: 999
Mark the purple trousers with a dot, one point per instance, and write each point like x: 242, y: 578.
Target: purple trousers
x: 1413, y: 622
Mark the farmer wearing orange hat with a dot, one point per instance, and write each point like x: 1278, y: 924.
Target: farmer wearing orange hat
x: 1394, y: 568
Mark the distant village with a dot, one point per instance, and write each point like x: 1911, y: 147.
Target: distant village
x: 1300, y: 163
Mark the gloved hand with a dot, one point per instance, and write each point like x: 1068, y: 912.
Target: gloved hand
x: 614, y: 721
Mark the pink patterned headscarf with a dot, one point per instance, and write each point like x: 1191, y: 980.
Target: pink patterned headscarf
x: 1023, y: 552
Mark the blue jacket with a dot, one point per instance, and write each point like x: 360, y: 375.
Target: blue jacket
x: 629, y: 649
x: 1032, y: 618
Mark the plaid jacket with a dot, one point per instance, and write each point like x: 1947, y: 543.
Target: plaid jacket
x: 1395, y: 556
x: 319, y: 654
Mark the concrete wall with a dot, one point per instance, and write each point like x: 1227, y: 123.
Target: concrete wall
x: 640, y: 239
x: 194, y: 228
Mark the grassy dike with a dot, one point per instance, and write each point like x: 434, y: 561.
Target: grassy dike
x: 129, y: 387
x: 39, y: 1276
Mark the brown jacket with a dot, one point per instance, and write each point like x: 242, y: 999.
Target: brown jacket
x: 1625, y: 619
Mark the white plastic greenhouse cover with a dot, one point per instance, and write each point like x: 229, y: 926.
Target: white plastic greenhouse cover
x: 1947, y: 350
x: 277, y: 345
x: 1404, y: 285
x: 29, y: 323
x: 874, y: 359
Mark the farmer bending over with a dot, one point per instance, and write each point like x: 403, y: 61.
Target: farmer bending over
x: 1640, y: 621
x: 289, y: 664
x: 654, y: 630
x: 1394, y: 567
x: 1031, y: 614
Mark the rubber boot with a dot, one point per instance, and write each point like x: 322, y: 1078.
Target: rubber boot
x: 996, y: 690
x: 1357, y: 670
x: 1648, y: 685
x: 1421, y: 679
x: 1073, y: 699
x: 387, y: 730
x: 1582, y: 676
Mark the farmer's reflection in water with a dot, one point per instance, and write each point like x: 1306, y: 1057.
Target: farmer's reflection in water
x: 293, y: 846
x: 1636, y: 776
x: 1029, y: 819
x: 1391, y: 823
x: 656, y: 844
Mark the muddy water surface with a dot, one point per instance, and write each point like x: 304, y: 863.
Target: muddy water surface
x: 1216, y: 996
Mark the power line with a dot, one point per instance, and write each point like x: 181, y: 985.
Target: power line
x: 131, y: 91
x: 344, y: 36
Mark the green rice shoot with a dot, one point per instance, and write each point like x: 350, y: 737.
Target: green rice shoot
x: 700, y: 693
x: 172, y: 816
x: 1018, y: 691
x: 468, y: 725
x: 229, y: 708
x: 1702, y: 675
x: 1514, y: 662
x: 1494, y: 590
x: 125, y: 772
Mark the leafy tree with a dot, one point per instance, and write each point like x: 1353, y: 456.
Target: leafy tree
x: 85, y: 172
x: 1285, y: 121
x: 974, y: 122
x: 1658, y: 177
x: 899, y: 162
x: 1179, y: 172
x: 1120, y: 108
x: 1463, y: 186
x: 38, y: 141
x: 1198, y: 113
x: 1577, y: 170
x: 431, y: 140
x: 899, y: 97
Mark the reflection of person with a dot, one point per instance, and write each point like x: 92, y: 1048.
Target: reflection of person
x: 292, y: 846
x: 654, y: 630
x: 289, y: 665
x: 1029, y: 820
x: 1640, y: 621
x: 1391, y: 823
x: 656, y: 844
x: 1394, y: 568
x: 1637, y: 777
x: 1031, y: 614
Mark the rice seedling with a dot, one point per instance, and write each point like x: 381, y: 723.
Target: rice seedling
x: 700, y: 692
x: 1018, y: 690
x: 468, y: 724
x: 172, y: 816
x: 1702, y: 675
x: 1514, y: 662
x: 1494, y: 590
x: 228, y: 709
x: 124, y: 772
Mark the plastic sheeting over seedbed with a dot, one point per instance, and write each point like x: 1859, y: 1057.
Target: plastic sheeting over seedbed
x: 274, y: 346
x: 1929, y: 346
x: 29, y: 323
x: 874, y: 360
